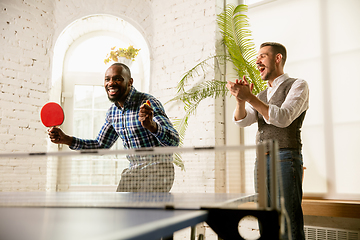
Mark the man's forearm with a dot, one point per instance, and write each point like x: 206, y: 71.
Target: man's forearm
x: 240, y: 112
x: 153, y: 127
x: 68, y: 140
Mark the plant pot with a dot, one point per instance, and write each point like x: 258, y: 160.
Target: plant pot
x: 125, y: 61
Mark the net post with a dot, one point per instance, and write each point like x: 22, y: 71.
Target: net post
x: 261, y: 176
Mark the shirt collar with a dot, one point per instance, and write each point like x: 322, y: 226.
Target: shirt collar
x: 280, y: 79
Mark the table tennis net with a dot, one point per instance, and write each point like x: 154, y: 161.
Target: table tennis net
x: 189, y: 177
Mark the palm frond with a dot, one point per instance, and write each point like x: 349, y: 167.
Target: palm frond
x: 233, y: 24
x: 208, y: 89
x: 177, y: 159
x: 201, y: 69
x: 181, y: 126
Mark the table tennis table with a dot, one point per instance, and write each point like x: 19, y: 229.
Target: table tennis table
x: 54, y: 215
x: 95, y: 215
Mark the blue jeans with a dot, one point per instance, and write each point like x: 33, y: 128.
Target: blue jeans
x: 290, y: 169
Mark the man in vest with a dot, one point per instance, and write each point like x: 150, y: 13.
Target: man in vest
x: 279, y: 111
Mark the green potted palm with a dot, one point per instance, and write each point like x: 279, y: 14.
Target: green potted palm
x: 240, y: 52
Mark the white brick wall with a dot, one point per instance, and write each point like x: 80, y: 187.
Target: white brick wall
x: 184, y: 34
x: 25, y: 40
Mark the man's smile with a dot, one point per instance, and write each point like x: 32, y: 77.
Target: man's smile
x: 112, y: 90
x: 261, y: 68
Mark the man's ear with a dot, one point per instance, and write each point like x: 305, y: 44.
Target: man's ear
x: 278, y: 58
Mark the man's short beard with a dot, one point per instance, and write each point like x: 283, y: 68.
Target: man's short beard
x: 114, y: 100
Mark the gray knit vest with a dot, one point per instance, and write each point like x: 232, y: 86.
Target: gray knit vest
x: 288, y: 137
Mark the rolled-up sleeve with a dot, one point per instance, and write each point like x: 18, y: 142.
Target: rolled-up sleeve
x: 296, y: 102
x: 249, y: 119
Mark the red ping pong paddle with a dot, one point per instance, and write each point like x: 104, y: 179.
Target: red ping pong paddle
x: 52, y: 114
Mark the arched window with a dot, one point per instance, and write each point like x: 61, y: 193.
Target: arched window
x: 78, y: 77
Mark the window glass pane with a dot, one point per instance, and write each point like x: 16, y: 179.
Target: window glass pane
x: 99, y: 119
x: 83, y: 123
x: 101, y: 100
x: 83, y: 96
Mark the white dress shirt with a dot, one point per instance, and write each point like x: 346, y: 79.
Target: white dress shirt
x: 296, y: 102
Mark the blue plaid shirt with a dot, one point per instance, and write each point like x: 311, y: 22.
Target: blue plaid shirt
x: 124, y: 123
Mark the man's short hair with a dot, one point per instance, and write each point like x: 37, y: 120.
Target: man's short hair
x: 276, y: 48
x: 127, y: 69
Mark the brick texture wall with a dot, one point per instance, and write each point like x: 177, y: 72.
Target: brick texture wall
x: 25, y: 41
x: 184, y: 34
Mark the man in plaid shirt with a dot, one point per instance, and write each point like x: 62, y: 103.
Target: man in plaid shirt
x: 138, y: 125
